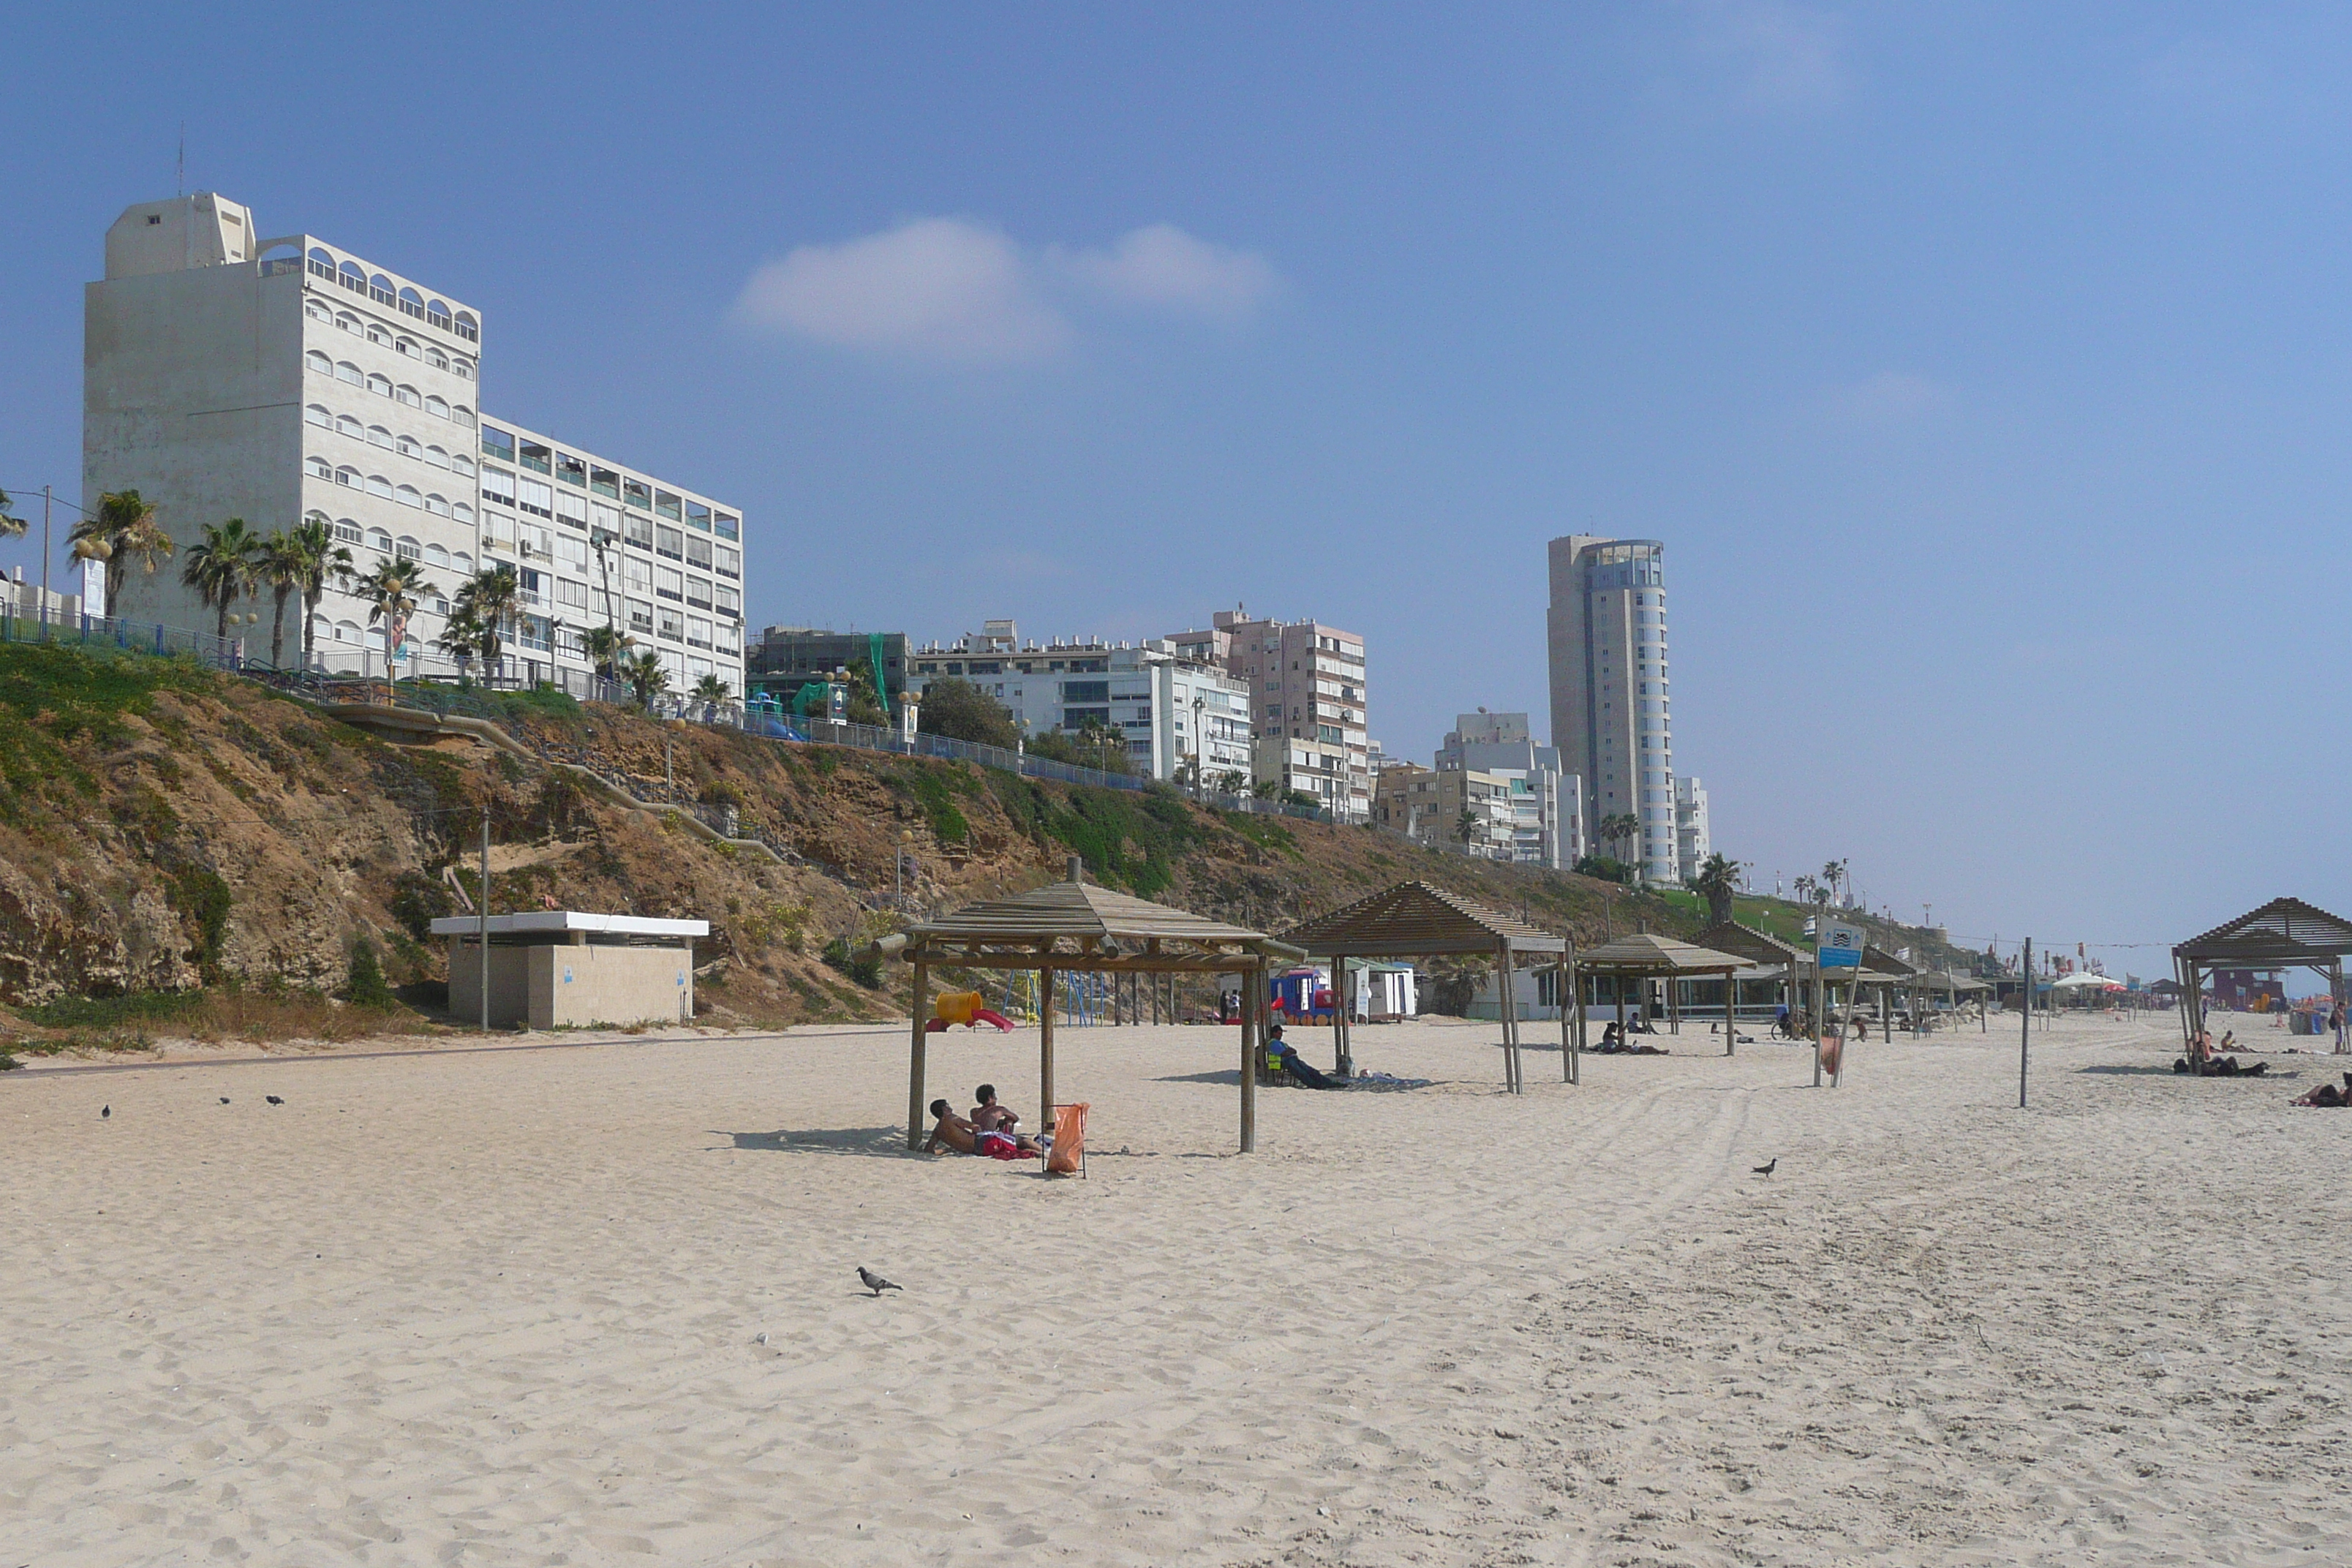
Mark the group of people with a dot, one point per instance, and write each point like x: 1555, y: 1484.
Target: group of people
x: 991, y: 1130
x: 1614, y: 1042
x: 2206, y: 1059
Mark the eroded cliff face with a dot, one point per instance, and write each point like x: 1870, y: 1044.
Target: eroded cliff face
x: 163, y: 826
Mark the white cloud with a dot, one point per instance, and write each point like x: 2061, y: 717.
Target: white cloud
x: 938, y: 288
x: 950, y: 289
x: 1789, y: 58
x: 1161, y: 264
x: 1890, y: 398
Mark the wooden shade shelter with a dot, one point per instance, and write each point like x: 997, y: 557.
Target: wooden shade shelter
x: 1074, y: 925
x: 1762, y: 951
x: 1645, y: 956
x: 2285, y: 933
x: 1413, y: 919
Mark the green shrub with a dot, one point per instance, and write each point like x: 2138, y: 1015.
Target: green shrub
x: 367, y: 987
x: 865, y: 969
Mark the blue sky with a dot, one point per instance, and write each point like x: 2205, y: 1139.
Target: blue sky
x: 1982, y: 367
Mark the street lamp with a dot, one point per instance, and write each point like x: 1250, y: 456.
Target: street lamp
x: 1199, y: 741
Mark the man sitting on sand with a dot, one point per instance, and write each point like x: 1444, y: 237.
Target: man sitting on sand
x: 952, y: 1132
x: 990, y: 1117
x: 1280, y: 1054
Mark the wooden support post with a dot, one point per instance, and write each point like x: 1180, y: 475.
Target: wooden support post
x: 916, y: 1048
x: 1564, y: 987
x: 1821, y: 1015
x: 1045, y: 1048
x: 2025, y: 1036
x: 1253, y: 999
x: 1342, y: 1048
x: 1674, y: 1003
x: 1731, y: 1013
x: 1507, y: 1008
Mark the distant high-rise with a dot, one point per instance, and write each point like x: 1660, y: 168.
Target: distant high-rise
x: 1607, y: 633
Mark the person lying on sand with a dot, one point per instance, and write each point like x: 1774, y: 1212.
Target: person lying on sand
x: 2328, y: 1094
x: 952, y: 1132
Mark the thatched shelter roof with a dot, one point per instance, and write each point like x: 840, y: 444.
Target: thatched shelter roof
x: 1412, y: 919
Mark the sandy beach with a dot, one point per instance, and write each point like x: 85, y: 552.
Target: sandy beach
x: 506, y: 1308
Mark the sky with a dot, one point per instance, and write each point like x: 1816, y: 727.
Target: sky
x: 1982, y: 367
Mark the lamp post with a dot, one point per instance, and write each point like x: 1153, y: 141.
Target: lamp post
x: 1200, y: 743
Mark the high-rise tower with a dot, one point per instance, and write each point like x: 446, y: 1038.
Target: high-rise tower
x: 1607, y: 632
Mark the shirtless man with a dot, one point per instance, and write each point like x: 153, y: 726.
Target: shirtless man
x: 952, y: 1132
x: 990, y: 1117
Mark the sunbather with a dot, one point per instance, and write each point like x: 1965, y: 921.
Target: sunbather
x: 1280, y: 1053
x: 952, y: 1132
x: 990, y: 1117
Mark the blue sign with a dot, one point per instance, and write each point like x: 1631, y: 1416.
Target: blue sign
x: 1841, y: 946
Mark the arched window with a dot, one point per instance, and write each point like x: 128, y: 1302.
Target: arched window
x: 316, y: 361
x: 436, y: 358
x: 349, y: 323
x: 314, y: 516
x: 406, y: 447
x: 408, y: 394
x: 379, y: 383
x: 463, y: 368
x: 409, y: 495
x: 460, y: 463
x: 408, y: 346
x: 435, y: 555
x: 437, y: 408
x: 467, y: 328
x: 346, y: 532
x: 378, y: 436
x: 436, y: 314
x: 377, y: 485
x: 317, y: 414
x: 347, y: 631
x: 347, y: 426
x: 318, y: 467
x: 463, y: 513
x: 437, y: 505
x: 322, y: 262
x: 376, y: 334
x: 350, y: 477
x: 461, y: 563
x: 380, y: 539
x: 373, y: 637
x: 412, y: 303
x: 462, y: 414
x: 436, y: 457
x: 317, y: 310
x: 379, y: 289
x: 346, y: 371
x: 353, y: 276
x: 407, y: 549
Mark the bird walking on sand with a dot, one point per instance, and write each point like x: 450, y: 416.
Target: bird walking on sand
x: 273, y: 1100
x: 104, y: 1112
x: 1766, y: 1168
x: 872, y: 1281
x: 224, y: 1100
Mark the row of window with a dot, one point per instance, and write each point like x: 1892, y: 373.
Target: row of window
x: 610, y: 483
x: 319, y: 467
x: 408, y: 302
x: 383, y: 385
x: 399, y: 343
x: 407, y: 446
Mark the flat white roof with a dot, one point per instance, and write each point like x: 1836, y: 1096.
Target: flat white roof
x: 559, y: 921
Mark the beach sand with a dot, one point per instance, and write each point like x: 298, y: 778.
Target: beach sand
x: 503, y: 1308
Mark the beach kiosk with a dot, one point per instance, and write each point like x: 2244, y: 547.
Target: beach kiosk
x: 1072, y: 926
x: 553, y: 969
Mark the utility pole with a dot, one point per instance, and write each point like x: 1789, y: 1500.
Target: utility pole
x: 45, y: 562
x: 2025, y: 1038
x: 483, y: 918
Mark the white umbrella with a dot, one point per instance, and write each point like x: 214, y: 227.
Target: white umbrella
x: 2083, y: 981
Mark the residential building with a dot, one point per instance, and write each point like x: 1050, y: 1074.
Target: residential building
x: 285, y: 379
x: 595, y: 544
x: 1480, y: 813
x: 1607, y: 633
x: 1307, y: 688
x: 1551, y: 826
x: 1693, y: 842
x: 785, y: 658
x: 1176, y: 714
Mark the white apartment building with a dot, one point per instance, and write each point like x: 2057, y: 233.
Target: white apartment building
x: 595, y: 544
x: 275, y: 380
x: 1175, y: 713
x: 1307, y: 701
x: 1549, y: 829
x: 1607, y: 631
x: 1693, y: 842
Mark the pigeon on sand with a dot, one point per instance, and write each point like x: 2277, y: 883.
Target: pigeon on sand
x: 104, y: 1112
x: 273, y: 1100
x: 1766, y: 1168
x: 872, y: 1281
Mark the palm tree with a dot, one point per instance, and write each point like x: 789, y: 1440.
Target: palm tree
x: 316, y: 557
x: 1716, y: 882
x: 488, y: 601
x: 122, y: 530
x: 712, y: 688
x: 391, y: 593
x: 1834, y: 877
x: 1465, y: 827
x: 460, y: 638
x: 219, y: 567
x: 607, y: 646
x: 10, y: 527
x: 278, y: 566
x: 646, y: 677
